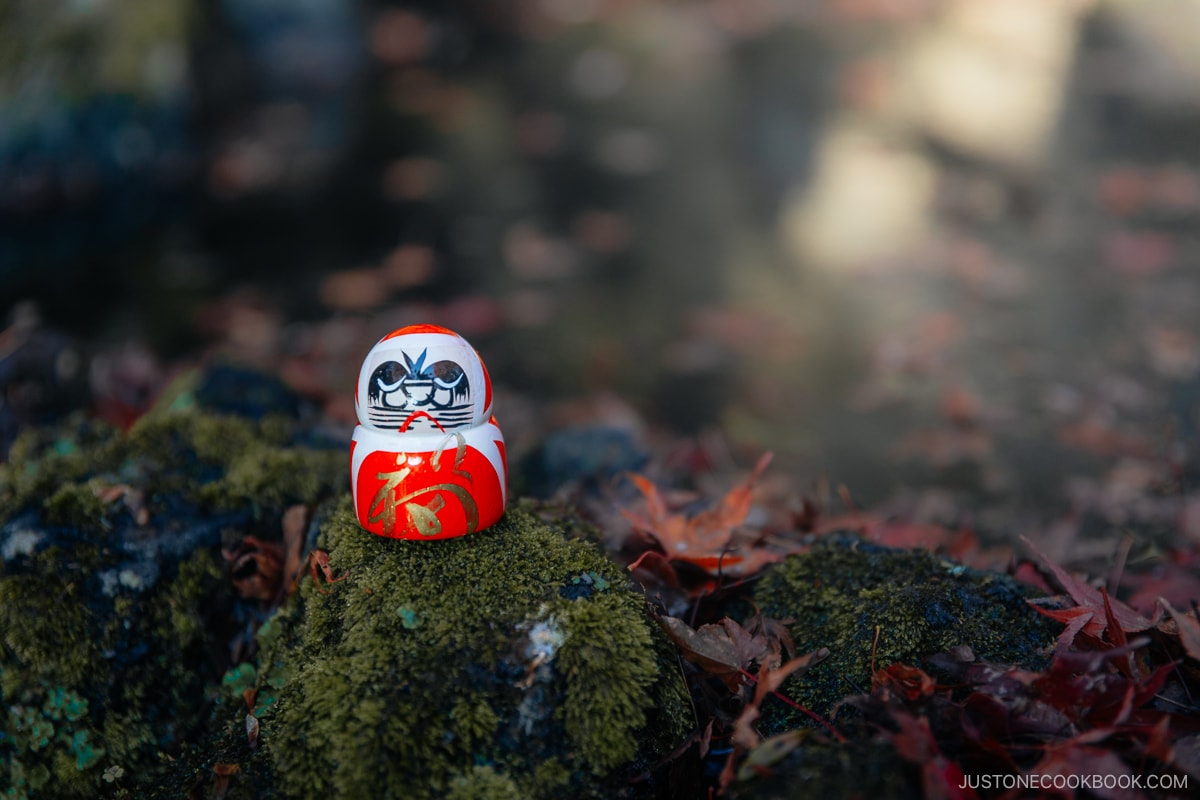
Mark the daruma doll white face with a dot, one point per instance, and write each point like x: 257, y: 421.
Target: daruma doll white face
x: 423, y: 378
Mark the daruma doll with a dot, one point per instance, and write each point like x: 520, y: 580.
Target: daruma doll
x: 427, y: 458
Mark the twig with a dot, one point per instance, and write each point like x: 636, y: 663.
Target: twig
x: 804, y: 710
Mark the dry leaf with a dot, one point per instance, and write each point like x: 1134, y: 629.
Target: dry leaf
x: 1090, y: 615
x: 705, y: 540
x: 1188, y: 629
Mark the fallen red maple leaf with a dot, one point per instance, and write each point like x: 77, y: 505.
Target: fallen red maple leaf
x: 1078, y: 685
x: 256, y: 568
x: 1188, y: 629
x: 909, y: 683
x: 721, y: 649
x: 767, y: 681
x: 726, y: 649
x: 706, y: 539
x: 295, y: 525
x: 1090, y: 616
x: 940, y: 778
x: 771, y: 675
x: 1176, y: 579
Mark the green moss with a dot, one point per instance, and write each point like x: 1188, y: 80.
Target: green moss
x: 75, y: 503
x: 841, y: 591
x: 43, y: 459
x: 113, y: 679
x: 483, y: 783
x: 50, y: 635
x: 113, y: 629
x: 595, y: 715
x: 461, y: 668
x: 175, y: 438
x: 549, y: 778
x: 275, y: 477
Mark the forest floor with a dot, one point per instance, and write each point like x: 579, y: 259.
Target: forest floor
x: 609, y: 216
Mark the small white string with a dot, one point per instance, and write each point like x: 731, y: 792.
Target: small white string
x: 437, y: 454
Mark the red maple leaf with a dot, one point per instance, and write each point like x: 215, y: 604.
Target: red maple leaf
x: 724, y: 649
x: 768, y: 680
x: 909, y: 683
x: 1188, y: 630
x: 941, y: 778
x: 706, y: 539
x: 1094, y: 612
x: 1078, y: 758
x: 1175, y: 579
x: 1091, y: 696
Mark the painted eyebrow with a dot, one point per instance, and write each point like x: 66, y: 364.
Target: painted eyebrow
x: 390, y: 387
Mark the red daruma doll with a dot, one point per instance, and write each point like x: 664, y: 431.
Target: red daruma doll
x: 427, y: 459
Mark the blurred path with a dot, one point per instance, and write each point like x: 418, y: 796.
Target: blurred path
x: 942, y: 252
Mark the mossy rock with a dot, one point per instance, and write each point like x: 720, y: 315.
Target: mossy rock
x: 514, y: 662
x: 116, y: 607
x: 844, y: 590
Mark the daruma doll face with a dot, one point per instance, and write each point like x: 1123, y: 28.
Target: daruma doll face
x: 423, y: 379
x: 427, y: 460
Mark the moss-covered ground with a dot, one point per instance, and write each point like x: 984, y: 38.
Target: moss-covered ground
x: 863, y: 602
x: 511, y: 663
x: 517, y: 662
x: 116, y: 608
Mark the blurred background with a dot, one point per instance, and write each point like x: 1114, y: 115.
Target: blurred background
x: 942, y: 252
